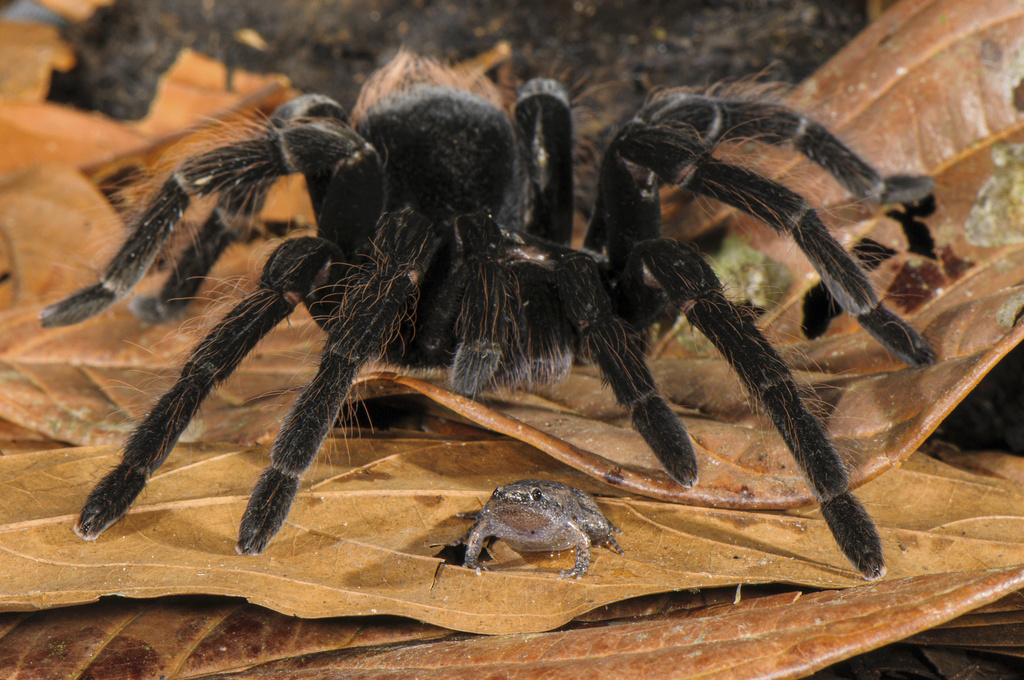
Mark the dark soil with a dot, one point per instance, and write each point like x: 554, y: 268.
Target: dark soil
x: 615, y: 49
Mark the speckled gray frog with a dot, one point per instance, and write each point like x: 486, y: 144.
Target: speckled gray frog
x: 534, y: 515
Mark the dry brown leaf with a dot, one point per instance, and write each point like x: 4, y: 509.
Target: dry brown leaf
x: 178, y: 638
x: 196, y: 91
x: 997, y: 627
x: 197, y: 88
x: 788, y: 635
x: 53, y: 225
x: 44, y: 132
x: 993, y: 463
x: 79, y: 388
x: 15, y: 439
x: 363, y: 535
x: 29, y: 53
x: 381, y: 517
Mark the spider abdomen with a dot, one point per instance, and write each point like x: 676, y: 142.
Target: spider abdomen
x: 455, y: 158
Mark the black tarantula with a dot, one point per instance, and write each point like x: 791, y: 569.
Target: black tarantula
x: 443, y: 241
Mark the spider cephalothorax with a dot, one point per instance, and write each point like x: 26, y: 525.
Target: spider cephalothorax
x: 443, y: 241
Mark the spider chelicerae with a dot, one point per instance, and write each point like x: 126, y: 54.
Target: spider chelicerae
x: 444, y: 227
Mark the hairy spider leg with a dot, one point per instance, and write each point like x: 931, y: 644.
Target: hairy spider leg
x: 296, y: 272
x: 543, y: 123
x: 472, y: 318
x: 217, y: 233
x: 293, y: 271
x: 490, y: 301
x: 546, y: 344
x: 691, y: 285
x: 189, y: 272
x: 677, y: 156
x: 715, y: 119
x: 298, y: 138
x: 608, y: 341
x: 652, y: 267
x: 377, y: 298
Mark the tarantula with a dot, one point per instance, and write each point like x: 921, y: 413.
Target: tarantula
x: 443, y: 240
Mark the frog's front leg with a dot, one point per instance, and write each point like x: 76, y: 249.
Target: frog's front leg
x: 582, y: 547
x: 474, y: 540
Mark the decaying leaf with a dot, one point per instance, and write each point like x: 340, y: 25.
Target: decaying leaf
x: 177, y: 638
x: 992, y: 463
x: 365, y: 532
x: 53, y: 224
x: 746, y: 634
x: 364, y: 535
x: 45, y: 132
x: 197, y: 88
x: 30, y: 53
x: 788, y: 635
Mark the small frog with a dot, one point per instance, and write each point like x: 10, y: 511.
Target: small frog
x: 534, y: 515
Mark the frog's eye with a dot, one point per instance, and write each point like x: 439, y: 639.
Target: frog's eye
x: 537, y: 494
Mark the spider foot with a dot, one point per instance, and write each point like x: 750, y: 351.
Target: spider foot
x: 268, y: 506
x: 474, y: 366
x: 897, y: 336
x: 906, y: 188
x: 665, y: 434
x: 109, y: 500
x: 155, y: 309
x: 79, y: 306
x: 856, y: 534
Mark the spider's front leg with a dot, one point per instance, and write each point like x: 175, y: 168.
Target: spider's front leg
x: 376, y: 299
x: 691, y: 285
x: 543, y: 119
x: 490, y: 300
x: 609, y: 342
x: 294, y: 271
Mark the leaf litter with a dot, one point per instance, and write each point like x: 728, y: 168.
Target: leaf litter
x: 878, y: 412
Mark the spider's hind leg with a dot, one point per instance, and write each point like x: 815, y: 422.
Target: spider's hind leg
x: 677, y: 156
x: 307, y: 135
x: 715, y: 119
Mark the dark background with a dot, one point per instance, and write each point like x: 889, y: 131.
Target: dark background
x: 616, y: 50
